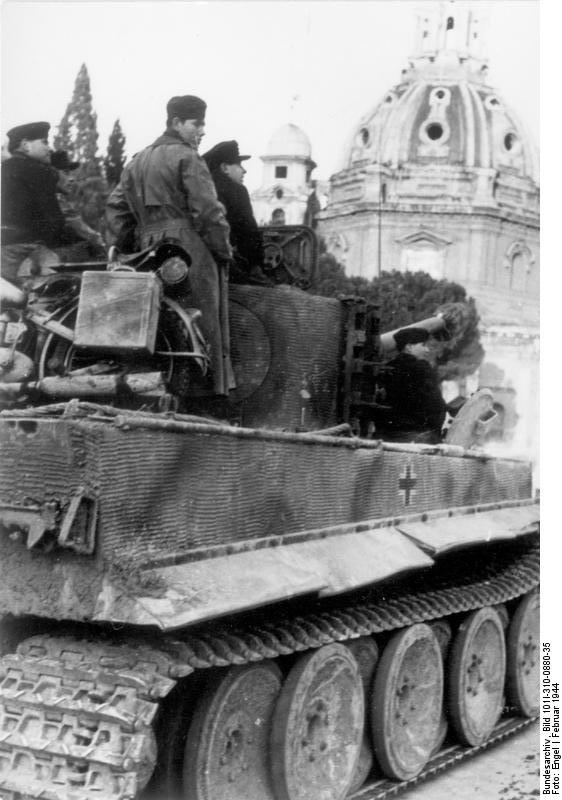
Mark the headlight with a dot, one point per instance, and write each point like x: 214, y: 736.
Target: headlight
x: 173, y: 270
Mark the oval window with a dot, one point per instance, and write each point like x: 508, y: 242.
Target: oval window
x: 279, y: 193
x: 492, y: 102
x: 364, y: 136
x: 434, y: 131
x: 509, y: 141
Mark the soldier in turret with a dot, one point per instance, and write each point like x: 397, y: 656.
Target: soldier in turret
x: 412, y: 391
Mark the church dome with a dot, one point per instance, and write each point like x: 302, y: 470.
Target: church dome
x: 289, y: 141
x: 443, y: 112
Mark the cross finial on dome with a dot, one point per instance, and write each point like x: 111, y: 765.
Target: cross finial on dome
x: 295, y: 100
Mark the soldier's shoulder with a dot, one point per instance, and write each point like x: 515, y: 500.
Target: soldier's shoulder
x: 29, y: 168
x: 173, y: 150
x: 15, y: 164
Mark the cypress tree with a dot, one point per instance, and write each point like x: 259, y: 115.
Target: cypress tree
x: 78, y: 134
x: 115, y: 158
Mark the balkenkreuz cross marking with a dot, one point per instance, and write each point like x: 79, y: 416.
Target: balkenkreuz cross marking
x: 406, y: 484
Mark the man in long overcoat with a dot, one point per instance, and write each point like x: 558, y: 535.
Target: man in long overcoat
x: 166, y: 192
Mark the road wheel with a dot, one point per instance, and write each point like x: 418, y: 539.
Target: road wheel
x: 444, y: 634
x: 504, y: 614
x: 318, y: 727
x: 226, y: 752
x: 366, y: 654
x: 407, y: 701
x: 523, y: 657
x: 477, y: 676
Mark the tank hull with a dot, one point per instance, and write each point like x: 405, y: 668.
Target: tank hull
x: 189, y: 608
x: 132, y: 519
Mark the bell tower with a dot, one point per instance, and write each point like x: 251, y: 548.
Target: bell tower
x: 450, y: 33
x: 283, y: 196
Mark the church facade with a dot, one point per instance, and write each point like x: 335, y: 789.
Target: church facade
x: 441, y: 176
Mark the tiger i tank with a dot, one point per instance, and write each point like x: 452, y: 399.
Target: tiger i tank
x: 267, y: 603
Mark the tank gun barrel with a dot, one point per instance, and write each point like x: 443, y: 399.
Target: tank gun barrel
x: 431, y: 325
x: 447, y: 318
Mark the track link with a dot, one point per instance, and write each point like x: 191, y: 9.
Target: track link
x: 76, y: 715
x: 76, y: 719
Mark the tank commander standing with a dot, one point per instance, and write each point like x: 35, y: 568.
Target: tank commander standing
x: 166, y: 192
x: 32, y: 219
x: 413, y: 392
x: 225, y: 165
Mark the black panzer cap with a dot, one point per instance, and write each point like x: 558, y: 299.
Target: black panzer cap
x: 224, y: 153
x: 30, y: 131
x: 410, y: 336
x: 186, y: 106
x: 60, y: 160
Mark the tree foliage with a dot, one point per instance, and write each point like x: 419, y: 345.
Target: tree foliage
x: 78, y: 135
x: 407, y: 297
x: 115, y: 158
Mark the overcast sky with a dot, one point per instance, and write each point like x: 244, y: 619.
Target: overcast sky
x: 248, y: 60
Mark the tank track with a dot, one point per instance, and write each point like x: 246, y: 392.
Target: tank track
x: 76, y: 715
x: 77, y: 719
x: 446, y: 758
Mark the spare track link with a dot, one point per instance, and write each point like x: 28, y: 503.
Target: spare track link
x: 76, y: 718
x: 76, y: 715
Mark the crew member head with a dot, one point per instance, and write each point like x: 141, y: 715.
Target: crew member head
x: 225, y: 157
x: 5, y: 150
x: 66, y: 169
x: 186, y: 116
x: 413, y: 341
x: 31, y: 140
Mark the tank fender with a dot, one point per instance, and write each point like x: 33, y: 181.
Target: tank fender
x: 436, y: 536
x: 206, y: 589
